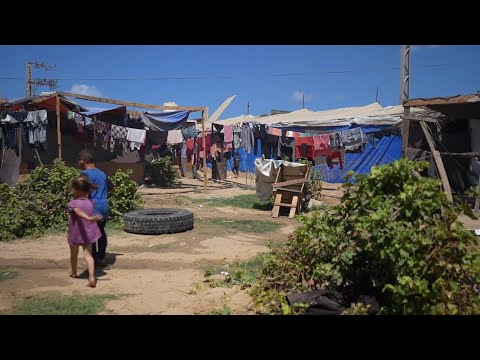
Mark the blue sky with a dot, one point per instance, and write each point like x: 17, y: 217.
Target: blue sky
x: 248, y: 72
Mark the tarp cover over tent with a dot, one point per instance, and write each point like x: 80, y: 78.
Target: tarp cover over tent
x: 370, y: 118
x: 165, y: 121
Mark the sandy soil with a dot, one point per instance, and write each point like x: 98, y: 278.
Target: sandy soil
x: 158, y: 274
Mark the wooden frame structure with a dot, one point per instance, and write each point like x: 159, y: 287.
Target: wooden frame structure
x: 203, y: 109
x: 290, y: 193
x: 465, y: 106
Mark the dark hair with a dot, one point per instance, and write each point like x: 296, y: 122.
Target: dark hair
x: 83, y: 184
x: 86, y: 155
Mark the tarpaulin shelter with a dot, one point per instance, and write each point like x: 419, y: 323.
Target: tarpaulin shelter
x: 59, y: 104
x: 371, y: 118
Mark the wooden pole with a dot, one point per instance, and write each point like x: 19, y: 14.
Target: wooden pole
x: 438, y: 162
x: 405, y: 129
x: 59, y: 133
x: 204, y: 137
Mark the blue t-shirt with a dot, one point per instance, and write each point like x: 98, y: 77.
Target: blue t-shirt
x: 100, y: 195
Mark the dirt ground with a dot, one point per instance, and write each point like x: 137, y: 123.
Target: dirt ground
x: 157, y: 274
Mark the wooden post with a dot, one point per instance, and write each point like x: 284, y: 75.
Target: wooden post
x: 405, y: 130
x: 438, y: 161
x: 204, y: 137
x: 59, y: 133
x: 477, y: 204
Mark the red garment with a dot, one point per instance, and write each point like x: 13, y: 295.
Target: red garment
x: 200, y: 142
x: 190, y: 146
x: 335, y: 155
x: 304, y: 147
x: 320, y: 145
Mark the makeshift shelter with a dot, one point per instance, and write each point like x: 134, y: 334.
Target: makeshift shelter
x: 56, y: 111
x: 380, y: 124
x: 447, y: 134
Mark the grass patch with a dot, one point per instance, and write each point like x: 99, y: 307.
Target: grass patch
x: 230, y: 226
x: 59, y: 304
x: 243, y: 273
x: 245, y: 201
x: 223, y: 311
x: 7, y: 274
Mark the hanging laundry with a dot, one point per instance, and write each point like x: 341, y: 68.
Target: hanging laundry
x: 37, y: 127
x: 320, y: 145
x: 352, y: 139
x: 304, y: 147
x: 237, y: 136
x: 118, y: 139
x: 335, y: 155
x: 274, y: 131
x: 189, y: 132
x: 286, y: 148
x: 269, y: 146
x: 157, y: 137
x: 335, y: 141
x: 101, y: 135
x: 247, y: 139
x: 174, y: 137
x: 136, y: 137
x: 228, y: 133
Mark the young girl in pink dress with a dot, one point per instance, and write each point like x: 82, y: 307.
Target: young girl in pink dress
x: 82, y: 229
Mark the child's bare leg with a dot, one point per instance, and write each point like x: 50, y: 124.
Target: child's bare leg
x: 87, y: 253
x: 73, y: 260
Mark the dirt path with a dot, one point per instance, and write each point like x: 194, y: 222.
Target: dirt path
x: 157, y: 274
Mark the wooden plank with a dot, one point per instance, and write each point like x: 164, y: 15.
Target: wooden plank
x: 477, y: 204
x: 288, y: 205
x: 438, y: 162
x: 290, y: 182
x: 59, y: 133
x: 289, y: 190
x: 405, y: 130
x: 293, y: 208
x: 442, y: 101
x: 221, y: 109
x: 276, y: 208
x: 130, y: 103
x: 413, y: 118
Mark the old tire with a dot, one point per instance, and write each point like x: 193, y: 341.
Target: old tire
x: 158, y: 221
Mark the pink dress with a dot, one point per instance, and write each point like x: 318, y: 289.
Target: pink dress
x: 81, y: 231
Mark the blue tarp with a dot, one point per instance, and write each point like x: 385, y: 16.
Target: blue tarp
x: 387, y: 150
x: 165, y: 121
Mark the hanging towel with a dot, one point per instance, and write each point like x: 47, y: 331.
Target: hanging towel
x: 136, y: 138
x: 228, y: 133
x: 174, y: 137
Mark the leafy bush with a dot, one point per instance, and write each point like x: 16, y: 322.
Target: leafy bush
x: 39, y: 203
x: 394, y: 236
x: 162, y: 172
x: 315, y: 183
x: 124, y: 197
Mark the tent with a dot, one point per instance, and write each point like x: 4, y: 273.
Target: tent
x: 372, y: 118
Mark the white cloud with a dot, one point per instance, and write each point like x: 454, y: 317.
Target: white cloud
x: 84, y: 89
x: 297, y: 96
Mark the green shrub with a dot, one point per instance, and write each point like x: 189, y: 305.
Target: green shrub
x: 394, y: 236
x: 162, y: 173
x: 124, y: 197
x: 39, y: 203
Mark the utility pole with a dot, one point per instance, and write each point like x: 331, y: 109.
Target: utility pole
x: 248, y: 108
x: 32, y: 84
x: 404, y: 73
x: 303, y: 101
x: 376, y: 96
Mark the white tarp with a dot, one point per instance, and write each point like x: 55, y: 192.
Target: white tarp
x: 265, y: 174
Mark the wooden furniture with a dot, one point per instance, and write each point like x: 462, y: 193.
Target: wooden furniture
x: 290, y: 188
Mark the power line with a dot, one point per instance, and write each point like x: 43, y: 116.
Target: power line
x: 163, y: 78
